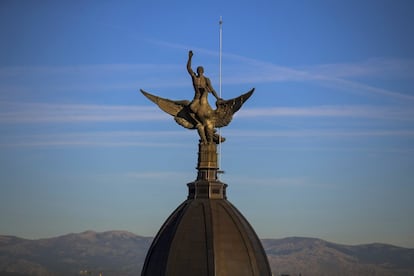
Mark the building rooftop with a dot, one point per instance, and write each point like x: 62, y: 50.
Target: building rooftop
x: 206, y: 235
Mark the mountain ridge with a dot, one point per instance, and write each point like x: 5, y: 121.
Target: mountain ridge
x: 122, y: 253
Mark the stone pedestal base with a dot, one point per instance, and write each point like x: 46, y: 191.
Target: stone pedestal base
x: 207, y: 185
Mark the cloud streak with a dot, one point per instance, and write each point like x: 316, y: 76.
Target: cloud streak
x: 375, y: 67
x: 350, y: 111
x: 246, y: 180
x: 99, y: 139
x: 12, y: 113
x: 120, y: 77
x: 98, y: 78
x: 301, y: 133
x: 78, y: 113
x: 174, y: 139
x: 333, y: 75
x: 158, y: 175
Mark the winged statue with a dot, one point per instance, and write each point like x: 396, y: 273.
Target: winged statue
x: 198, y: 114
x: 206, y: 121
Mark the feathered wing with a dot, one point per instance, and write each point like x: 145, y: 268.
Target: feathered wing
x: 226, y: 109
x: 169, y: 106
x: 178, y: 109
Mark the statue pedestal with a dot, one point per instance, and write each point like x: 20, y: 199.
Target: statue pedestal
x: 207, y: 185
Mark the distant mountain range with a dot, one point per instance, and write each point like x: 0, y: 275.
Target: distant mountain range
x: 120, y: 253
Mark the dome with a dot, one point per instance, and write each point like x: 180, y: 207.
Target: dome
x: 206, y: 235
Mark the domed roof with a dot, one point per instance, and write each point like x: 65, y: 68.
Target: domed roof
x: 206, y: 235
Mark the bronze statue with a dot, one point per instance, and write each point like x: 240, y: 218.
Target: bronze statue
x: 198, y: 113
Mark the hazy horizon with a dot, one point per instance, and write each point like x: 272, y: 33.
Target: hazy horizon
x: 150, y: 237
x: 324, y: 148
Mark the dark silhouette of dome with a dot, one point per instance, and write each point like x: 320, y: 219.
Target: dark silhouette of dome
x: 206, y: 235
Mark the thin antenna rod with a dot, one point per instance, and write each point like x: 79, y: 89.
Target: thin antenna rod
x: 220, y: 63
x: 221, y: 50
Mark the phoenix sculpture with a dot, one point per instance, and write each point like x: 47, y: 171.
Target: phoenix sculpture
x: 198, y: 114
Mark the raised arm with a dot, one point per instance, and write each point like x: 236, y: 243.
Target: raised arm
x: 190, y: 71
x: 211, y: 89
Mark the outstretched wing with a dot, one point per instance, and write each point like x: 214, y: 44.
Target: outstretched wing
x: 178, y: 109
x: 169, y: 106
x: 226, y: 109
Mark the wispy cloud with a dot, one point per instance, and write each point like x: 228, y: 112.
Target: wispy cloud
x: 99, y: 139
x: 184, y: 47
x: 320, y: 133
x: 159, y: 175
x: 358, y: 87
x: 385, y: 68
x: 300, y: 182
x: 84, y: 69
x: 174, y: 139
x: 338, y: 76
x: 13, y: 112
x: 98, y: 78
x: 351, y: 111
x: 350, y: 77
x: 58, y: 113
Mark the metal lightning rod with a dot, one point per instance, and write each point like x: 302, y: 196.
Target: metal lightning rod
x: 220, y: 63
x: 220, y: 52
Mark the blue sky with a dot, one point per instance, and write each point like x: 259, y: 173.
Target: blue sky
x: 324, y: 148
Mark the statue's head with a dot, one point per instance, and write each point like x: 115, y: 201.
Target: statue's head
x: 200, y: 70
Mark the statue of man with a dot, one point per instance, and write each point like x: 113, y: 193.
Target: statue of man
x: 199, y: 105
x: 198, y: 113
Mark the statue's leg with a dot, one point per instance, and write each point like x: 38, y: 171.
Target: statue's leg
x: 194, y: 105
x: 201, y: 133
x: 209, y: 132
